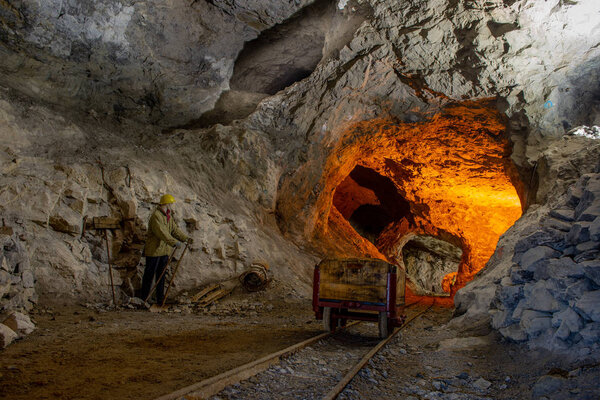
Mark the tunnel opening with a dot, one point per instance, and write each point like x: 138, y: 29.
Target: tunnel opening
x: 370, y: 202
x: 449, y: 178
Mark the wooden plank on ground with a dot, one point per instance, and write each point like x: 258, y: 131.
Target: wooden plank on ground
x: 204, y: 292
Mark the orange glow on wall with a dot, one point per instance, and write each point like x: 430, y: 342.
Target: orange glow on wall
x: 453, y: 170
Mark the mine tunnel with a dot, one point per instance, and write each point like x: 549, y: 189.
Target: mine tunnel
x: 448, y: 179
x: 300, y: 199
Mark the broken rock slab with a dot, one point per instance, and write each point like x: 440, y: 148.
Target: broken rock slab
x: 588, y: 305
x: 19, y: 323
x: 7, y: 335
x: 547, y: 385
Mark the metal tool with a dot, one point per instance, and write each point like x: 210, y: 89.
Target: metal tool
x: 174, y: 272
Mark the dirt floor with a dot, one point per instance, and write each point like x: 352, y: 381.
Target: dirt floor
x: 79, y: 352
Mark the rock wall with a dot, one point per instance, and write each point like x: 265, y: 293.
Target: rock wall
x: 427, y: 261
x: 110, y: 67
x: 153, y: 61
x: 53, y: 185
x: 551, y: 295
x: 541, y: 281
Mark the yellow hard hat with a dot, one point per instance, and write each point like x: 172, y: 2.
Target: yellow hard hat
x: 167, y: 199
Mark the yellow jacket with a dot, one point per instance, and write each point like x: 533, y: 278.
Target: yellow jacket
x: 162, y: 235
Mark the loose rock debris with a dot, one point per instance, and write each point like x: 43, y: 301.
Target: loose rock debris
x: 420, y: 364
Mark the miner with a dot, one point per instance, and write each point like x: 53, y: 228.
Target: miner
x: 163, y: 235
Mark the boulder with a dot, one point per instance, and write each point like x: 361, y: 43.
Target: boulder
x: 558, y: 268
x: 535, y: 322
x: 588, y: 305
x: 547, y: 385
x: 548, y: 237
x: 580, y: 232
x: 20, y: 323
x: 577, y: 289
x: 591, y: 333
x: 569, y: 318
x: 591, y: 270
x: 595, y: 229
x: 564, y: 214
x: 7, y: 335
x: 531, y: 258
x: 539, y: 297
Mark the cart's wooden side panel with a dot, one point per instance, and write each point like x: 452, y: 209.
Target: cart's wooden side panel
x: 354, y: 280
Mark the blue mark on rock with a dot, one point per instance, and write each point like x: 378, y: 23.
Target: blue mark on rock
x: 548, y: 104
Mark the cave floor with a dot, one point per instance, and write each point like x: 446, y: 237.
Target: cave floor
x: 84, y: 353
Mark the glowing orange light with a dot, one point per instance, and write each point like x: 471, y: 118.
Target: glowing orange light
x: 453, y: 170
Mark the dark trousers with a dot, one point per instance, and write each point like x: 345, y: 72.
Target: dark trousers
x: 154, y: 268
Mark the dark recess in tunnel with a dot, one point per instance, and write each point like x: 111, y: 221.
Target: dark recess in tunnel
x: 369, y: 220
x: 285, y: 53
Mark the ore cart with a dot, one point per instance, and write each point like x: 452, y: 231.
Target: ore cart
x: 359, y: 289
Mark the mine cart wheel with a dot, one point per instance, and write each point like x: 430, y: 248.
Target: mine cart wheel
x: 383, y: 325
x: 328, y: 322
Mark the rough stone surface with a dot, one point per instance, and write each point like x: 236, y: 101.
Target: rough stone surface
x: 549, y: 297
x: 7, y: 335
x: 108, y: 75
x: 547, y: 385
x: 20, y: 323
x: 225, y: 182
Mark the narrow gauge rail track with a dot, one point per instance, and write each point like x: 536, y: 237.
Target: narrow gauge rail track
x: 214, y: 385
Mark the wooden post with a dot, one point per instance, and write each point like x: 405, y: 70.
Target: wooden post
x: 112, y: 285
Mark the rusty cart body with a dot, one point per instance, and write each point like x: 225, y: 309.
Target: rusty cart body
x: 359, y: 289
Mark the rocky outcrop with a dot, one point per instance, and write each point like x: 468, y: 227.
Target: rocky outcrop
x: 428, y: 261
x: 151, y: 61
x: 17, y: 279
x: 551, y: 294
x: 540, y: 284
x: 222, y: 178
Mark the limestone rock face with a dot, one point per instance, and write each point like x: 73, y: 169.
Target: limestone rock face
x: 170, y: 63
x: 149, y: 60
x: 545, y: 275
x: 223, y: 180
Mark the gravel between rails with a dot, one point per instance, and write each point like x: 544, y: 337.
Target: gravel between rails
x: 312, y: 372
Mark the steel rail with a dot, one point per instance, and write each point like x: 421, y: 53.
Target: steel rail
x: 215, y: 384
x: 333, y: 393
